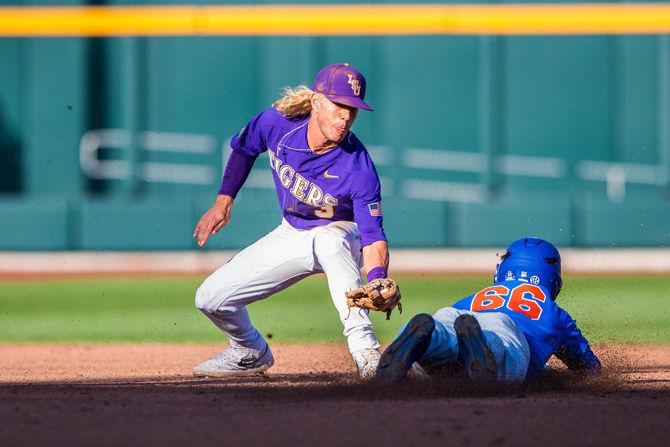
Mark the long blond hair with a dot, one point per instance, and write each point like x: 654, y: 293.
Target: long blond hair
x: 296, y: 102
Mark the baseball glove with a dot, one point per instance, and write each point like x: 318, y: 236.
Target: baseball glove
x: 382, y: 295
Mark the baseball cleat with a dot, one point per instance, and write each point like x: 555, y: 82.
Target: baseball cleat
x: 236, y: 362
x: 406, y: 349
x: 476, y: 354
x: 366, y: 362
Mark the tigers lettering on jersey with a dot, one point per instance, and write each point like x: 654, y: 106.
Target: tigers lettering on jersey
x: 301, y: 188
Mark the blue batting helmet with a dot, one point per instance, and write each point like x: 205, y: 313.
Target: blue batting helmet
x: 534, y: 260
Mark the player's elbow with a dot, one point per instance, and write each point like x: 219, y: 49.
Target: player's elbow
x: 591, y: 368
x: 594, y: 369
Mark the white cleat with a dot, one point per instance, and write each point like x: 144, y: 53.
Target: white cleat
x: 366, y: 361
x: 236, y: 362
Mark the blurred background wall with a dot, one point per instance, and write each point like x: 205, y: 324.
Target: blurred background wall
x: 118, y: 143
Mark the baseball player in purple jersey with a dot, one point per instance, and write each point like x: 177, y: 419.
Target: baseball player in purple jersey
x: 505, y: 332
x: 330, y: 197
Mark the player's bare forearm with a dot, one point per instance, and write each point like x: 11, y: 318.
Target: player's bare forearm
x: 376, y: 254
x: 214, y: 219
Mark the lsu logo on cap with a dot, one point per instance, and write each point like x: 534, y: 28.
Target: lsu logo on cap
x: 355, y: 85
x: 375, y: 209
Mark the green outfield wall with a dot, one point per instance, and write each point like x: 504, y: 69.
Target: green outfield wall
x: 118, y: 143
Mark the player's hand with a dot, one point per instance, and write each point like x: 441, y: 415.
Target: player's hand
x: 214, y: 219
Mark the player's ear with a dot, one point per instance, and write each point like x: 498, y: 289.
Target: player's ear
x: 315, y: 101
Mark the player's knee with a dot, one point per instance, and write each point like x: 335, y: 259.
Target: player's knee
x: 202, y: 298
x: 208, y: 299
x: 330, y: 243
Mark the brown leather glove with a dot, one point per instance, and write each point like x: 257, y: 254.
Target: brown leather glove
x: 382, y: 295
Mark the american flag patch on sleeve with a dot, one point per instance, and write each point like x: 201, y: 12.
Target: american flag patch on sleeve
x: 375, y: 209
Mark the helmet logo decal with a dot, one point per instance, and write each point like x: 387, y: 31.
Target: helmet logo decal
x: 509, y: 275
x: 524, y: 274
x: 535, y: 279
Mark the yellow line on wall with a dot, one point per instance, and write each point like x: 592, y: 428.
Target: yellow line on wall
x: 336, y: 20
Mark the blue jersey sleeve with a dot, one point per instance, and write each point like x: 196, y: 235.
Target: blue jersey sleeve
x: 574, y: 349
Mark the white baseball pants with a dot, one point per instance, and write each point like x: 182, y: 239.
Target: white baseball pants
x: 281, y: 258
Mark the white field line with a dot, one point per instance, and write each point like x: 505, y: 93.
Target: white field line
x: 434, y: 261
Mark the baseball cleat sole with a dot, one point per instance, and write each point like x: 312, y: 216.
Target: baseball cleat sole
x: 406, y: 349
x: 477, y: 357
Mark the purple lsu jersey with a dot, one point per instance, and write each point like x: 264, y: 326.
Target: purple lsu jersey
x: 548, y: 328
x: 316, y: 189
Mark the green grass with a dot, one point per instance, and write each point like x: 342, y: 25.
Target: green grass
x: 630, y: 309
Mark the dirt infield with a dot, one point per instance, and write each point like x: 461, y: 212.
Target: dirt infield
x: 144, y: 395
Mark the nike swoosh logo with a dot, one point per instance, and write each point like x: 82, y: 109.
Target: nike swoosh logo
x: 325, y: 174
x: 250, y: 361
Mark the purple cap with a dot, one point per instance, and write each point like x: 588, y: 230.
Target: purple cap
x: 343, y: 84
